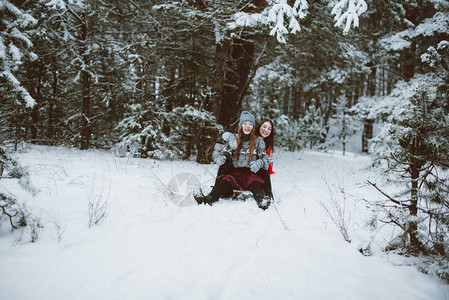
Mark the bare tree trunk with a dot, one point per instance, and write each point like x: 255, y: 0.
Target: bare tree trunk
x: 236, y: 82
x: 367, y: 134
x: 35, y: 112
x: 414, y: 169
x: 34, y: 120
x: 327, y: 111
x: 51, y: 102
x: 17, y: 131
x: 234, y: 60
x: 222, y: 53
x: 287, y: 100
x: 296, y: 101
x: 413, y: 226
x: 368, y: 123
x: 85, y: 91
x: 344, y: 134
x: 214, y: 102
x: 372, y: 82
x: 409, y: 61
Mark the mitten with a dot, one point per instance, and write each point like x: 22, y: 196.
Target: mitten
x: 255, y: 166
x: 231, y: 139
x: 220, y: 159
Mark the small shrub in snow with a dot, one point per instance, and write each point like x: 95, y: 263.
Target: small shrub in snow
x: 437, y: 267
x: 34, y: 227
x: 97, y: 204
x: 54, y: 219
x: 337, y: 210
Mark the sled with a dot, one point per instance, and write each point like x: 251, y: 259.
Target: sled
x: 239, y: 195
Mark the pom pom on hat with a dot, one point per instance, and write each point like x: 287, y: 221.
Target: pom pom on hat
x: 246, y: 116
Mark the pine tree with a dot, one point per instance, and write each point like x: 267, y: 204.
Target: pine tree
x: 313, y: 129
x: 342, y: 123
x: 417, y: 156
x: 143, y: 135
x: 192, y: 127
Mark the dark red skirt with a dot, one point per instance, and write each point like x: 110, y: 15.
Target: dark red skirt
x: 241, y: 178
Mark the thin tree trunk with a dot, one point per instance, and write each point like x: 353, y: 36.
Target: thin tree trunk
x: 35, y: 111
x: 51, y: 102
x: 372, y: 82
x: 327, y: 114
x: 221, y: 57
x: 409, y: 61
x: 85, y: 91
x: 368, y: 123
x: 415, y: 166
x: 344, y: 129
x: 296, y: 101
x: 34, y: 120
x: 367, y: 134
x: 17, y: 131
x: 287, y: 100
x: 413, y: 226
x: 213, y: 103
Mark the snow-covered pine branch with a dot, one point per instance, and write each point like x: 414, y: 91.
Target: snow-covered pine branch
x: 278, y: 15
x: 284, y: 18
x: 281, y: 17
x: 65, y: 4
x: 14, y: 45
x: 438, y: 24
x: 349, y: 11
x: 29, y: 101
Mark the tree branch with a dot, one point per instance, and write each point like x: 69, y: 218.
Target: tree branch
x: 253, y: 73
x: 10, y: 217
x: 155, y: 23
x: 399, y: 202
x: 73, y: 13
x: 201, y: 5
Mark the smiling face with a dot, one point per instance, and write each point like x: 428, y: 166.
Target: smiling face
x: 247, y: 127
x: 265, y: 129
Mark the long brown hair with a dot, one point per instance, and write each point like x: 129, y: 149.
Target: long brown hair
x: 269, y: 140
x: 240, y: 143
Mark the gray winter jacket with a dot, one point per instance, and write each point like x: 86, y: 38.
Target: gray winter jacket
x: 231, y: 138
x: 258, y: 154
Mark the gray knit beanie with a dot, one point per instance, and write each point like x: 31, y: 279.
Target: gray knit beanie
x: 246, y: 116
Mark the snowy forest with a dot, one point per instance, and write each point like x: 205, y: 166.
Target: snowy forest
x: 162, y: 80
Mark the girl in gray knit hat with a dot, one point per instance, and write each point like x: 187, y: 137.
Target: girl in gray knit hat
x: 264, y: 129
x: 247, y: 159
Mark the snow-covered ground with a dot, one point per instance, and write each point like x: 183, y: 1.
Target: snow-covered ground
x: 149, y: 248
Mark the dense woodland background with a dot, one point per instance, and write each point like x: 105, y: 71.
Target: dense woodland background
x: 164, y: 80
x: 162, y: 76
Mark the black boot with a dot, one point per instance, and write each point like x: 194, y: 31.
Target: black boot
x: 222, y: 188
x: 263, y: 201
x: 200, y: 198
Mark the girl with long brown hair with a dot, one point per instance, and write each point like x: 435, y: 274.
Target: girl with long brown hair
x: 265, y: 128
